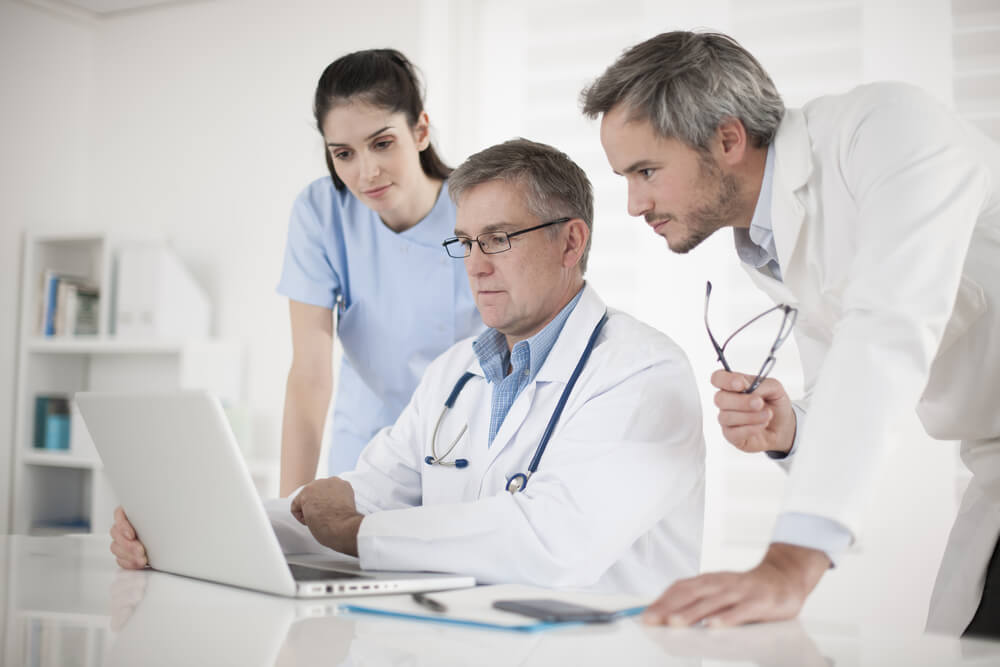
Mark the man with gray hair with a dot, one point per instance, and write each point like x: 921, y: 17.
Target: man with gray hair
x: 562, y: 447
x: 875, y: 214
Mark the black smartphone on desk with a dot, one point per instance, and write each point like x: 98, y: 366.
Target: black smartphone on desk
x: 556, y: 611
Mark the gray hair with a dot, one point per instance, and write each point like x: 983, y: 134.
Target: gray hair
x: 686, y: 84
x: 553, y: 185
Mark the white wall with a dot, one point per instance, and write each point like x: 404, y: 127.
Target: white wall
x: 46, y: 129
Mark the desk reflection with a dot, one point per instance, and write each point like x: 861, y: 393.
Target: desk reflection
x: 772, y: 645
x: 67, y: 604
x: 163, y: 619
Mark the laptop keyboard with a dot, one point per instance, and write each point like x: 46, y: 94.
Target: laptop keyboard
x: 305, y: 573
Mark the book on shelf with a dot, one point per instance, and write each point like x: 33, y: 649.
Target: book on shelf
x: 68, y: 305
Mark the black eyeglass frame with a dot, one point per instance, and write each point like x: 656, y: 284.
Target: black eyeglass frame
x: 447, y: 243
x: 787, y: 323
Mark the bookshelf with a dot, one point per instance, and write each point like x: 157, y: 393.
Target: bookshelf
x: 58, y: 483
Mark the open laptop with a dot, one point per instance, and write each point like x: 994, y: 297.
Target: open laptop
x: 175, y: 466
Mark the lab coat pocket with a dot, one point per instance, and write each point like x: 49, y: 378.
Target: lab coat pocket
x: 970, y: 304
x: 441, y: 481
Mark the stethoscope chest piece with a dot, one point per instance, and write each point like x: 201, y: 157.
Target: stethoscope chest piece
x: 517, y: 482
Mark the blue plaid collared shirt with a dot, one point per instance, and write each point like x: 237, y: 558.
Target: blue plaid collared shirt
x: 525, y: 360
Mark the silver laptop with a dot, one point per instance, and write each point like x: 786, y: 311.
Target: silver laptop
x: 175, y: 466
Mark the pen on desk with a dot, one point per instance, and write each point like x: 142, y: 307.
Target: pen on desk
x: 429, y: 603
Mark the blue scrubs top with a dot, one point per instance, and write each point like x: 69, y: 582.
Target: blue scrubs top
x: 401, y: 302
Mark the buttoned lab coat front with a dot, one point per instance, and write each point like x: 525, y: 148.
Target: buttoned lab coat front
x: 618, y: 499
x: 886, y: 218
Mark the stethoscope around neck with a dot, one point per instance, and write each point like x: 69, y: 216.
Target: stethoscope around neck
x: 518, y: 481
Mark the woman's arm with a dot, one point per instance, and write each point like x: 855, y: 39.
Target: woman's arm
x: 307, y: 394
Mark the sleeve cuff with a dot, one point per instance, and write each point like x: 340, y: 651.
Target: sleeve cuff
x: 367, y: 536
x: 813, y: 532
x: 800, y: 416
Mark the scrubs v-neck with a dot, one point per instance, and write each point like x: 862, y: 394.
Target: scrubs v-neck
x: 400, y: 302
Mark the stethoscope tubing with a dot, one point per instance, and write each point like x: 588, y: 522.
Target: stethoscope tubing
x: 519, y: 480
x: 554, y: 419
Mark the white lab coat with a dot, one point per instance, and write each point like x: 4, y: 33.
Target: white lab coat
x: 617, y: 502
x: 886, y: 218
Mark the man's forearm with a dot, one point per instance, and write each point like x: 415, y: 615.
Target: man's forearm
x: 339, y: 531
x: 803, y: 565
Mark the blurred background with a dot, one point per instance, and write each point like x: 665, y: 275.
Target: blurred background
x: 191, y: 122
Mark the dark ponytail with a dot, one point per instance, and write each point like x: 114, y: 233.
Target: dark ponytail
x: 382, y: 78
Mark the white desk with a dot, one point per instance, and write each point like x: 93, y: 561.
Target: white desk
x: 65, y: 602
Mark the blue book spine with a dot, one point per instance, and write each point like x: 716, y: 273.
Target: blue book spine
x: 50, y: 309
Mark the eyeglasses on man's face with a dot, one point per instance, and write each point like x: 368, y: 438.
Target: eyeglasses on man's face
x: 490, y: 243
x: 787, y: 322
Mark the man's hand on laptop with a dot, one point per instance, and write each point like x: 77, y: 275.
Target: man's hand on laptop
x: 128, y: 550
x: 327, y: 508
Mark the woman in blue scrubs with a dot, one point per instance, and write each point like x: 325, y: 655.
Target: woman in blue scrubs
x: 365, y: 244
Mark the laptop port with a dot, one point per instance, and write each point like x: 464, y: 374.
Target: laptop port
x: 329, y: 588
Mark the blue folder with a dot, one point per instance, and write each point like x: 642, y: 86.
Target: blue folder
x: 530, y: 626
x: 473, y: 607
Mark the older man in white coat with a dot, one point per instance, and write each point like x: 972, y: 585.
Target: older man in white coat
x: 615, y: 500
x: 876, y: 213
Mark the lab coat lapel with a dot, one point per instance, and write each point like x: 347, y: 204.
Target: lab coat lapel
x: 513, y: 421
x: 573, y: 339
x: 777, y: 290
x: 557, y: 368
x: 792, y: 169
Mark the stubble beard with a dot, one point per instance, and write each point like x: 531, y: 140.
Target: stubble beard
x: 718, y: 212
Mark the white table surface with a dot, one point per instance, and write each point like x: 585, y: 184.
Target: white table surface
x: 64, y: 602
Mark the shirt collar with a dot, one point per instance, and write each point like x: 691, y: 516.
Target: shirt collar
x: 494, y: 357
x: 755, y: 246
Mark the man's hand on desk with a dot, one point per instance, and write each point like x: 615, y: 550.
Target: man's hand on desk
x: 775, y: 590
x: 327, y: 508
x: 125, y: 545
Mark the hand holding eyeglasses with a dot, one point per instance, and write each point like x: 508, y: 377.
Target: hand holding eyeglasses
x: 763, y: 421
x: 755, y: 412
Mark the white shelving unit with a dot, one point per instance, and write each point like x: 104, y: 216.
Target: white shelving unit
x: 61, y: 491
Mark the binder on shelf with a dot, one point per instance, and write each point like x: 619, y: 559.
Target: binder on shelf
x: 85, y: 311
x: 156, y: 296
x: 52, y: 423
